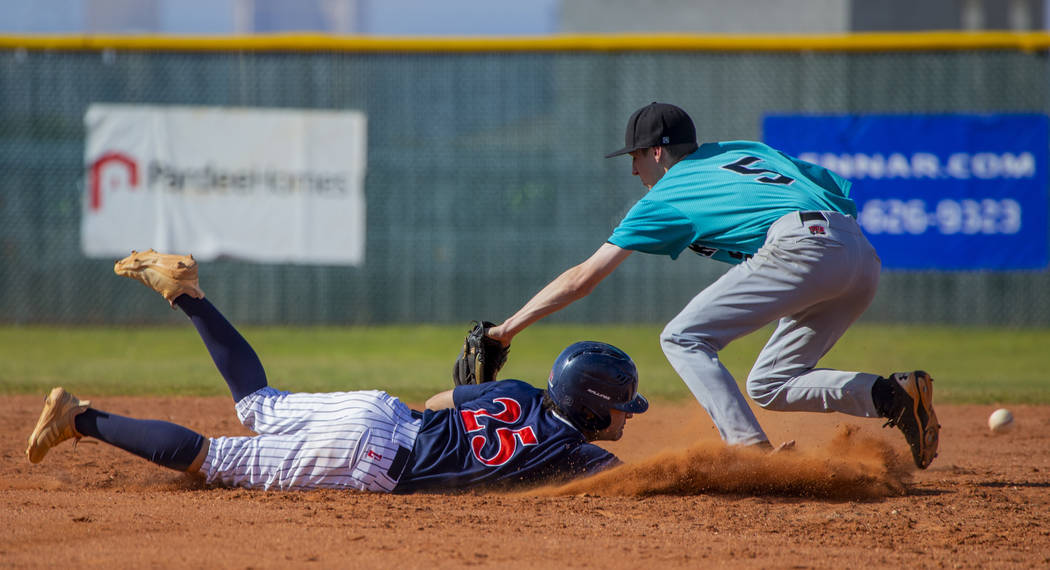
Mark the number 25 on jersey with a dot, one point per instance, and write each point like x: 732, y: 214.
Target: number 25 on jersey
x: 507, y: 439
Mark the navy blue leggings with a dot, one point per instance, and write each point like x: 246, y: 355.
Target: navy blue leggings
x: 165, y: 443
x: 233, y: 356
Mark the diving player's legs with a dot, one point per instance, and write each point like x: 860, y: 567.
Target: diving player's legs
x: 359, y: 449
x: 304, y: 460
x: 175, y: 277
x: 164, y: 443
x: 341, y: 439
x: 274, y: 411
x: 233, y: 356
x: 66, y: 417
x: 360, y: 440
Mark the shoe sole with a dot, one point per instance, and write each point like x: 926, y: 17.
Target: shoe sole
x: 153, y: 261
x: 47, y: 417
x: 180, y: 270
x: 921, y: 392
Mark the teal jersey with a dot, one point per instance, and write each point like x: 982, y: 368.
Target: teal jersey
x: 721, y: 200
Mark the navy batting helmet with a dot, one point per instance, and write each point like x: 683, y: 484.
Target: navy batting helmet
x: 588, y: 379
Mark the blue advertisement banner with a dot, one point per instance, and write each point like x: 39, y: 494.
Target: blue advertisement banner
x: 952, y: 192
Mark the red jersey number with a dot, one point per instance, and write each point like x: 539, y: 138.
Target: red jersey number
x: 507, y: 438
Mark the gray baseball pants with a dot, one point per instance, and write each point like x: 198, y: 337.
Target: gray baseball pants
x: 817, y: 277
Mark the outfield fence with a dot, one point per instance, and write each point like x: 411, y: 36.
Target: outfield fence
x: 485, y: 173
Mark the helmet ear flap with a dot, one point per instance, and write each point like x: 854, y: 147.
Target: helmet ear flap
x: 582, y: 417
x: 593, y: 421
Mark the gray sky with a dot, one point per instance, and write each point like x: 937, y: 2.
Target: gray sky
x: 376, y: 17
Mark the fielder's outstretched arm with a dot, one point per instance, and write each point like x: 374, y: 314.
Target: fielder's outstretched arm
x: 574, y: 284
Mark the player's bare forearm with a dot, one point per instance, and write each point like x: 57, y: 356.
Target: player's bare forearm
x: 575, y: 283
x: 564, y: 290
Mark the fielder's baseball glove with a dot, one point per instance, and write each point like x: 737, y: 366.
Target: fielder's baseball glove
x: 481, y: 357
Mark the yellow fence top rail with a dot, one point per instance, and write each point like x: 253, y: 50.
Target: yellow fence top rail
x: 869, y: 42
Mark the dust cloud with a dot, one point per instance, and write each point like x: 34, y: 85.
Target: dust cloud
x: 851, y: 466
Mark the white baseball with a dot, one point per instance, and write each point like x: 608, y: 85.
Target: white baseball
x: 1001, y: 421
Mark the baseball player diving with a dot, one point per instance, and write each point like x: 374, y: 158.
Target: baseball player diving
x: 798, y: 257
x: 487, y: 434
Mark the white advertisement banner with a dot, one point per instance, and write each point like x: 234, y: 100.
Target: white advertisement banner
x: 265, y: 185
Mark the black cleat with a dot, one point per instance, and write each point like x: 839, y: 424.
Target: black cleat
x: 913, y: 414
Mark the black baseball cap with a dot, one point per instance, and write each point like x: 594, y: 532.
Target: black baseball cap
x: 657, y: 124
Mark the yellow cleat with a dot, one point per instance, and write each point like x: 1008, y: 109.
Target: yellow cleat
x: 168, y: 274
x: 55, y: 424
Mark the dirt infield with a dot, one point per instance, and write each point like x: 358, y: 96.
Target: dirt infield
x: 847, y: 498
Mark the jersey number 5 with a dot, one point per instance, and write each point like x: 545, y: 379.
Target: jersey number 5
x: 506, y: 438
x: 743, y: 166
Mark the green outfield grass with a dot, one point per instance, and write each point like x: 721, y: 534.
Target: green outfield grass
x: 971, y: 365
